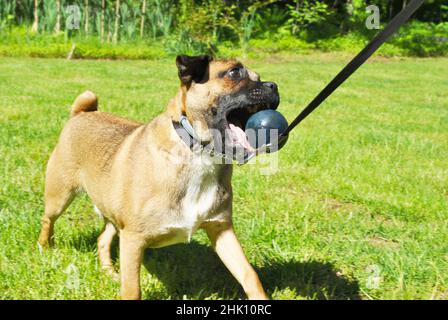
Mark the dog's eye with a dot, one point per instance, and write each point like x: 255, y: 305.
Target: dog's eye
x: 235, y: 73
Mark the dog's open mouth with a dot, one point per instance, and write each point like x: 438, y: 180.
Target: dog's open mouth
x: 236, y: 124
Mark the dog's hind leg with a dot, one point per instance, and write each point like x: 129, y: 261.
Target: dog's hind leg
x: 104, y: 244
x: 55, y: 204
x: 59, y: 193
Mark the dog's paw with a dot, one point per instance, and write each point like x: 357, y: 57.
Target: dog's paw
x: 40, y: 248
x: 109, y: 270
x: 43, y: 246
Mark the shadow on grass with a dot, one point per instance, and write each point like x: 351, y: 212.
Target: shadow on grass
x: 196, y: 271
x: 83, y: 241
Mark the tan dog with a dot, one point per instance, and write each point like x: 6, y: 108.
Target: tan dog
x: 150, y: 186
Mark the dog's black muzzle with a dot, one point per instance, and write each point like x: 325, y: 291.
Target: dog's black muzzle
x: 236, y: 108
x: 233, y: 112
x: 264, y: 94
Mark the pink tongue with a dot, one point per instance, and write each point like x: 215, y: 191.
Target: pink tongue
x: 239, y: 136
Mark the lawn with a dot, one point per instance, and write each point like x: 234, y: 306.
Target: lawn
x: 357, y: 209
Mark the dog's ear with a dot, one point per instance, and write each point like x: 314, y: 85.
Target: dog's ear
x: 193, y: 68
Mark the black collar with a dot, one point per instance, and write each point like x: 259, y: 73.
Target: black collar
x: 187, y: 135
x: 184, y: 135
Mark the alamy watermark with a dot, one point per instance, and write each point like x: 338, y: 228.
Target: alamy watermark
x: 222, y: 148
x: 72, y: 281
x: 374, y: 279
x: 73, y: 17
x: 373, y: 20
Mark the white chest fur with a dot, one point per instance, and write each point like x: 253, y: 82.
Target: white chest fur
x: 200, y: 196
x: 197, y: 204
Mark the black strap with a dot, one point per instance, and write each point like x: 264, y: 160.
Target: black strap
x: 357, y: 61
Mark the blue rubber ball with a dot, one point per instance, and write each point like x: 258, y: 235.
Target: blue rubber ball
x: 259, y: 125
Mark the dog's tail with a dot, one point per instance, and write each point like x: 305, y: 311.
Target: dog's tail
x: 85, y: 102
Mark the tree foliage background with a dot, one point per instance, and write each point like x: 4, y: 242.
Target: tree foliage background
x: 199, y: 25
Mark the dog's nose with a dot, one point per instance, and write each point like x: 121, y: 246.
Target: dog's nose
x: 270, y: 85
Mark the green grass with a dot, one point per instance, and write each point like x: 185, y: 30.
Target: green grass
x: 413, y: 39
x: 361, y: 186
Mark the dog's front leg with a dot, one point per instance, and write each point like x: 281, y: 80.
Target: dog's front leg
x: 131, y: 255
x: 229, y: 249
